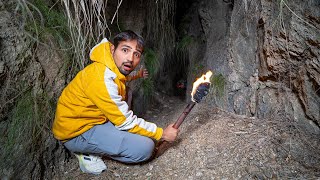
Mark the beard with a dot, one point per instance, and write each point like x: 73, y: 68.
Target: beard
x: 126, y: 68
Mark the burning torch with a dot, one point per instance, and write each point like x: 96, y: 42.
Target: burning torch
x: 200, y: 89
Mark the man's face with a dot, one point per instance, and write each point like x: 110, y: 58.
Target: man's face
x: 126, y: 56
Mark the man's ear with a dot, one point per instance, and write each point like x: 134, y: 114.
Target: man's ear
x: 112, y: 48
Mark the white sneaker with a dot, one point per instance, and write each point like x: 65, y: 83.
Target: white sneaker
x: 91, y: 164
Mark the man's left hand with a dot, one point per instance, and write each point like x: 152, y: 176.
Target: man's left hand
x: 144, y: 73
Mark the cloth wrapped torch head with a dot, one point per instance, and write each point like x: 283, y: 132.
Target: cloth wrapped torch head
x: 202, y: 90
x: 201, y: 87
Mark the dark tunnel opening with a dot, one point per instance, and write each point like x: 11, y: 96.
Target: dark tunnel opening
x: 175, y: 83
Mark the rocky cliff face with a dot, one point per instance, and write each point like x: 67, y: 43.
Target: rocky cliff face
x: 269, y: 54
x: 34, y: 69
x: 32, y: 75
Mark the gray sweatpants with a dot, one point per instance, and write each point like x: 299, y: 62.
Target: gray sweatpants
x: 107, y: 140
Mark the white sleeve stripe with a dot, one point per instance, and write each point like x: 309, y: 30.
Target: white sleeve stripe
x: 131, y: 119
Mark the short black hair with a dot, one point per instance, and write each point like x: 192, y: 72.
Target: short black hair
x: 128, y: 35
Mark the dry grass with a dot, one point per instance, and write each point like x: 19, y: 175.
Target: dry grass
x: 87, y: 21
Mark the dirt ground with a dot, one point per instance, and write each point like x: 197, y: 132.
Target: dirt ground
x: 214, y: 144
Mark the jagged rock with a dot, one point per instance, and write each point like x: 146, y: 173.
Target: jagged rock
x: 21, y: 71
x: 269, y: 53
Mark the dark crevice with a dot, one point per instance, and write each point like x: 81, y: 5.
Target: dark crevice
x: 177, y: 67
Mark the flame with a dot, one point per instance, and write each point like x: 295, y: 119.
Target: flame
x: 202, y: 79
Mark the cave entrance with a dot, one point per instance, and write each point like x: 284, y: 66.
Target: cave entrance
x: 179, y: 78
x: 177, y: 66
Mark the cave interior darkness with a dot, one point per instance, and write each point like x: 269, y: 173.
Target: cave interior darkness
x: 177, y: 72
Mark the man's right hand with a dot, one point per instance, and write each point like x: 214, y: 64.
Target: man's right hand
x: 170, y: 133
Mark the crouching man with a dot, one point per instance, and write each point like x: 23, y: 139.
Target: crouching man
x: 92, y: 118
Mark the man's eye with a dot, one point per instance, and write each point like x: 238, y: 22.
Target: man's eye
x: 125, y: 50
x: 137, y: 55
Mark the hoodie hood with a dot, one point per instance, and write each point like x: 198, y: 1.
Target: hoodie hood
x: 101, y: 53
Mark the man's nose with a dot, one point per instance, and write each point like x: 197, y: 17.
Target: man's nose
x: 130, y: 57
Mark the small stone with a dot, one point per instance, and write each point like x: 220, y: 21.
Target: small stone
x: 116, y: 174
x: 148, y: 174
x: 199, y: 174
x: 251, y: 169
x: 150, y: 167
x: 268, y: 173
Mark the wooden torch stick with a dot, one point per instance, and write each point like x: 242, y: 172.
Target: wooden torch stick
x: 162, y: 146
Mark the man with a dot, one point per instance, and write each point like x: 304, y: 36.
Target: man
x: 92, y: 118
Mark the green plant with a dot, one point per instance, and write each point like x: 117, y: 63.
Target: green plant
x: 218, y: 82
x: 47, y: 25
x: 151, y: 62
x: 20, y: 131
x: 27, y: 130
x: 54, y: 20
x: 182, y: 52
x: 147, y: 86
x: 184, y: 43
x: 40, y: 20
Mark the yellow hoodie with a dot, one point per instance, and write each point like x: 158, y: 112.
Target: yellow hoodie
x: 96, y: 95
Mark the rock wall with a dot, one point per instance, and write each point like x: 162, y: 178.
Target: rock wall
x: 32, y: 75
x: 269, y: 53
x: 33, y: 72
